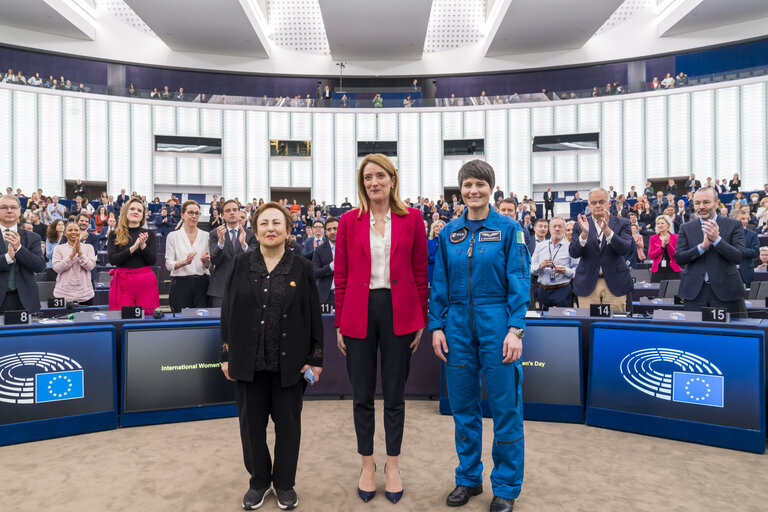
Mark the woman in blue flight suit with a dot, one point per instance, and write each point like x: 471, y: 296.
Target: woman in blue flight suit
x: 480, y: 293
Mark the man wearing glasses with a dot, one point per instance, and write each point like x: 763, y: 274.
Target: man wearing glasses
x: 20, y: 257
x: 709, y: 248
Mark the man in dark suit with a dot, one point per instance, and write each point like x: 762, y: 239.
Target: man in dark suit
x: 20, y: 257
x: 224, y: 244
x: 723, y: 187
x: 751, y: 250
x: 682, y: 215
x: 313, y: 242
x: 612, y: 193
x: 708, y: 249
x: 498, y: 195
x: 322, y: 261
x: 692, y: 184
x: 549, y: 203
x: 602, y: 242
x: 121, y: 199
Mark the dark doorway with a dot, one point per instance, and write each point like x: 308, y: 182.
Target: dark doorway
x: 661, y: 184
x: 302, y: 195
x: 93, y: 189
x: 448, y: 193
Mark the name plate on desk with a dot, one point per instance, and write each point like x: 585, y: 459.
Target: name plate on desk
x: 327, y: 309
x: 200, y: 312
x: 57, y: 302
x: 657, y: 302
x: 567, y: 312
x: 96, y: 316
x: 16, y: 317
x: 715, y: 315
x: 131, y: 312
x: 600, y: 310
x: 682, y: 316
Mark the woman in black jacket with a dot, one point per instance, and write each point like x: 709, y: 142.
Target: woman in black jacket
x: 271, y: 334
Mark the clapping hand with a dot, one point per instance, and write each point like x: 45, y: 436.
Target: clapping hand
x: 188, y: 259
x: 221, y: 231
x: 206, y: 259
x: 584, y: 225
x: 241, y: 237
x: 143, y: 240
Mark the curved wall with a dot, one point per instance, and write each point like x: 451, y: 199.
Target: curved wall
x: 712, y: 130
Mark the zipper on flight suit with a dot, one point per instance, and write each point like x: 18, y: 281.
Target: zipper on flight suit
x: 469, y: 255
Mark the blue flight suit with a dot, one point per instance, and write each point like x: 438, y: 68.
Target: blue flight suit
x: 480, y: 288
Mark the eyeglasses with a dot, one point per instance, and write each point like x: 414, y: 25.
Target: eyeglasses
x: 194, y: 214
x: 8, y: 207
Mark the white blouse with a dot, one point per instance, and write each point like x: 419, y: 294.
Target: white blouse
x: 177, y: 247
x: 380, y: 249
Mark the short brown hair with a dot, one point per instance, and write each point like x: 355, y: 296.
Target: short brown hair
x: 225, y: 203
x: 187, y: 204
x: 282, y: 209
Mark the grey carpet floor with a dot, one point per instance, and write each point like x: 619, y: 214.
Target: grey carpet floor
x: 197, y: 466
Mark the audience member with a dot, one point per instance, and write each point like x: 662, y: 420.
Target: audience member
x: 553, y: 266
x: 735, y: 183
x: 661, y: 251
x: 73, y: 262
x: 601, y: 241
x: 54, y: 234
x: 762, y: 263
x: 132, y: 249
x: 22, y: 257
x: 751, y: 250
x: 224, y: 245
x: 316, y: 240
x: 709, y: 248
x: 432, y: 246
x: 188, y: 260
x: 549, y: 203
x: 323, y: 263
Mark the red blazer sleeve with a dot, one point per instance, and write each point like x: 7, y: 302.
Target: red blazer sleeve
x: 341, y: 267
x: 420, y: 260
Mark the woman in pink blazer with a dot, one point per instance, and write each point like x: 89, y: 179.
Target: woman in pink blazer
x: 380, y: 278
x: 662, y: 252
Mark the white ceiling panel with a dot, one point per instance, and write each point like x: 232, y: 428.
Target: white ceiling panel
x: 370, y: 30
x: 59, y: 17
x: 224, y: 27
x: 522, y: 26
x: 685, y: 16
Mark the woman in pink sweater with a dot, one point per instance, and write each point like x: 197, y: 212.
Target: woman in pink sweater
x: 73, y: 262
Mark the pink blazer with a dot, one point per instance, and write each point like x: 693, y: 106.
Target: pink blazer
x: 407, y: 268
x: 655, y: 252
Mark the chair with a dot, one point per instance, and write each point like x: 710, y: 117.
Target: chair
x: 762, y: 289
x: 669, y: 288
x: 45, y: 289
x: 641, y: 275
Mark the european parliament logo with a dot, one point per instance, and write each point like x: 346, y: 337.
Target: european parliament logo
x: 40, y: 377
x: 670, y: 374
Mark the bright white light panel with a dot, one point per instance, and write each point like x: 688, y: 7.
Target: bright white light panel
x: 53, y: 137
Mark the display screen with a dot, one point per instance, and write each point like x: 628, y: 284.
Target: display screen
x: 567, y: 142
x: 173, y: 368
x: 711, y: 376
x: 187, y: 145
x: 463, y: 147
x: 57, y: 373
x: 552, y: 364
x: 385, y: 147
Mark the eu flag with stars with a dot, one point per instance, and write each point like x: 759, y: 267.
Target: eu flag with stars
x: 51, y: 387
x: 697, y: 388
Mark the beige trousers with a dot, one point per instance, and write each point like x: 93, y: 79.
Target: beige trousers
x: 602, y: 295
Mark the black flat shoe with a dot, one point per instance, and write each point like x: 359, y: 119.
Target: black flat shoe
x: 502, y: 504
x: 461, y: 493
x: 394, y: 497
x: 366, y: 496
x: 254, y: 498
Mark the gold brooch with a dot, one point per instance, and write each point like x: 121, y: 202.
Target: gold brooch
x: 293, y: 283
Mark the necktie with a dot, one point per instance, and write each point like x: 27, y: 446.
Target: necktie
x: 11, y: 271
x: 233, y: 238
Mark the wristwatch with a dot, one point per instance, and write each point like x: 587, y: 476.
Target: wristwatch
x: 517, y: 332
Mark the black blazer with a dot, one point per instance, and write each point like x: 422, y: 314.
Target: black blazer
x: 549, y: 198
x: 719, y: 261
x: 751, y: 253
x: 301, y: 323
x: 222, y: 260
x: 611, y: 258
x: 29, y: 259
x: 321, y: 263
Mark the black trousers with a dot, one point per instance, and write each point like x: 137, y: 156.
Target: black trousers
x: 549, y: 211
x: 706, y: 298
x: 395, y: 365
x: 256, y: 402
x: 557, y: 297
x: 188, y: 292
x: 12, y: 302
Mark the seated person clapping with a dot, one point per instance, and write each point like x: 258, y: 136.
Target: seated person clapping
x: 761, y: 264
x: 73, y: 262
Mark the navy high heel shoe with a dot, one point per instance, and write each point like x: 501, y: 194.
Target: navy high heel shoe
x: 394, y: 497
x: 366, y: 496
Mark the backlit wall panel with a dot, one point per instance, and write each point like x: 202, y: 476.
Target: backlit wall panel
x: 519, y: 152
x: 431, y: 154
x: 257, y: 162
x: 141, y: 149
x: 366, y: 126
x: 120, y: 146
x: 703, y: 134
x: 164, y: 122
x: 408, y: 156
x: 6, y: 143
x: 496, y: 145
x: 589, y: 121
x: 50, y: 149
x: 611, y: 152
x: 542, y: 164
x: 565, y: 165
x: 453, y: 125
x: 753, y: 137
x: 233, y: 154
x: 633, y: 168
x: 97, y: 137
x: 387, y: 126
x: 679, y: 122
x: 73, y: 137
x: 346, y: 156
x: 323, y: 176
x: 656, y: 137
x: 25, y: 139
x: 727, y: 136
